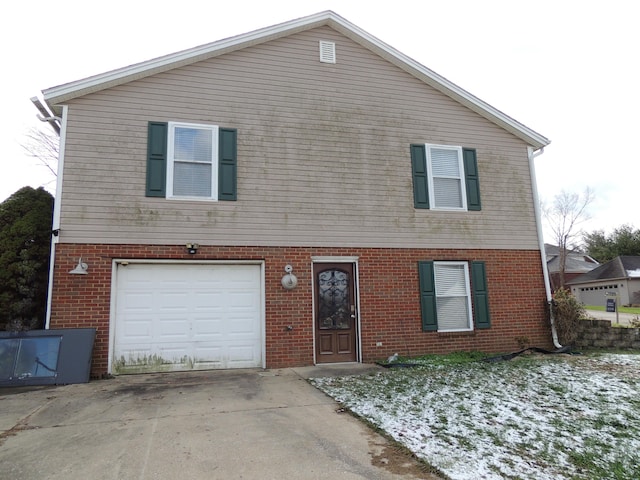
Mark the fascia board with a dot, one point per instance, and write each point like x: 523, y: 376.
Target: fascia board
x: 56, y: 96
x: 573, y: 283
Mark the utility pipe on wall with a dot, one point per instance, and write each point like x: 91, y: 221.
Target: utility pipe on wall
x: 55, y: 224
x: 543, y: 256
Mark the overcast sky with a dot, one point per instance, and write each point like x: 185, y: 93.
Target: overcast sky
x: 567, y: 69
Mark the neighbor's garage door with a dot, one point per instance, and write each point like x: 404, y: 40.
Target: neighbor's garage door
x: 185, y: 317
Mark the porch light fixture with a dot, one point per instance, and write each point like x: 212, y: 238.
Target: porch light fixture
x: 81, y: 268
x: 192, y: 248
x: 289, y: 281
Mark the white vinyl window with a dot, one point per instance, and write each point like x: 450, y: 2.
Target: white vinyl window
x: 192, y: 161
x: 453, y: 297
x: 446, y: 177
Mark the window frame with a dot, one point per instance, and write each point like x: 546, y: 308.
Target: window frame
x: 461, y: 177
x: 214, y: 131
x: 468, y: 295
x: 478, y: 289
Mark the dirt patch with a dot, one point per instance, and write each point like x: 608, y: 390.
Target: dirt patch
x: 14, y: 431
x: 23, y: 424
x: 399, y: 461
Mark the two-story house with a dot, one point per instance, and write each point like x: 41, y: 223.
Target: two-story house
x: 300, y: 194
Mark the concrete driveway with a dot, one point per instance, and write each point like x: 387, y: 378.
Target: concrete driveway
x: 247, y: 424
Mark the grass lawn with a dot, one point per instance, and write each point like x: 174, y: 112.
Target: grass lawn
x: 621, y: 309
x: 535, y: 417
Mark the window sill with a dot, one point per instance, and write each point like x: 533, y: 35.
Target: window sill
x: 445, y: 210
x: 456, y: 333
x: 193, y: 199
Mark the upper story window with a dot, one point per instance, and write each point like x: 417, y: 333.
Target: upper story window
x: 191, y: 161
x: 445, y: 177
x: 446, y: 182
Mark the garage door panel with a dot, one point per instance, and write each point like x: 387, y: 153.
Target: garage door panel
x: 170, y: 338
x: 240, y: 300
x: 208, y: 353
x: 135, y: 331
x: 174, y: 353
x: 241, y: 352
x: 135, y: 350
x: 241, y: 328
x: 138, y: 300
x: 237, y: 316
x: 207, y: 329
x: 201, y: 304
x: 241, y: 356
x: 180, y: 317
x: 171, y: 300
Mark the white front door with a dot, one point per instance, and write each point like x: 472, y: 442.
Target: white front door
x: 187, y: 316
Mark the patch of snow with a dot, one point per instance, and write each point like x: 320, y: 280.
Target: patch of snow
x: 634, y: 273
x: 493, y: 421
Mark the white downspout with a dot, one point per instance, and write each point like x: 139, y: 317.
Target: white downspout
x: 543, y: 256
x: 55, y: 224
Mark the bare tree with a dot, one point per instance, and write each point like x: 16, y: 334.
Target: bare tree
x: 564, y: 215
x: 44, y: 146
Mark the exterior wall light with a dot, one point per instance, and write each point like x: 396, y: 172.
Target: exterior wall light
x: 192, y: 248
x: 289, y: 281
x: 81, y: 268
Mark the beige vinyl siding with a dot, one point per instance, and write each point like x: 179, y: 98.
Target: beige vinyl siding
x: 323, y: 156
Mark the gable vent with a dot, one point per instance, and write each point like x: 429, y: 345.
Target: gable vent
x: 327, y: 52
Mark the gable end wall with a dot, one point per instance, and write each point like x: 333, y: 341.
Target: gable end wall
x: 323, y: 156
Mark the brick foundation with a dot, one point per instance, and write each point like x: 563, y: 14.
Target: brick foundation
x: 389, y: 298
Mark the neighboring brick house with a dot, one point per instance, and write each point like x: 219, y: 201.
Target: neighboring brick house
x: 295, y: 195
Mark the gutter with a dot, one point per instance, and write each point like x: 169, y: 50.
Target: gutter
x: 543, y: 256
x: 44, y: 116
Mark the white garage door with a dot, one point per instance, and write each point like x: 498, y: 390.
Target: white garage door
x: 187, y: 317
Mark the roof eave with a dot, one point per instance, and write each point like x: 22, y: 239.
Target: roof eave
x: 576, y: 281
x: 57, y: 96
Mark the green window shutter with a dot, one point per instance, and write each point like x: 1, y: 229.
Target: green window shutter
x: 471, y: 176
x: 420, y: 179
x: 228, y: 164
x: 157, y: 159
x: 428, y: 297
x: 480, y: 296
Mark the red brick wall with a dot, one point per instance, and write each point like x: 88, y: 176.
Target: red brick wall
x: 389, y: 298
